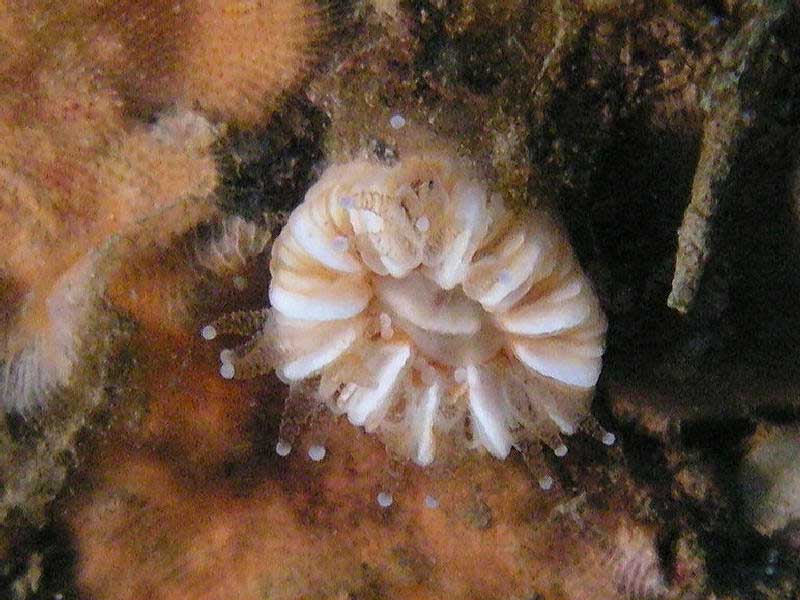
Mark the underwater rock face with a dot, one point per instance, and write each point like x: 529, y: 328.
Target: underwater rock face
x: 769, y: 480
x: 429, y: 311
x: 182, y: 483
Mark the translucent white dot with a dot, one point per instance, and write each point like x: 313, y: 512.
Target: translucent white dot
x: 372, y: 221
x: 227, y: 371
x: 423, y: 224
x: 546, y: 482
x: 397, y: 121
x: 773, y: 555
x: 340, y: 244
x: 208, y: 332
x: 316, y: 453
x: 226, y: 355
x: 431, y: 502
x: 609, y: 438
x: 240, y: 283
x: 560, y: 451
x: 283, y: 448
x: 460, y: 375
x: 567, y: 428
x: 504, y: 278
x: 347, y: 202
x: 385, y: 499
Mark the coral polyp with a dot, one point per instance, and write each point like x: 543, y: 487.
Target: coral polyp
x: 411, y: 299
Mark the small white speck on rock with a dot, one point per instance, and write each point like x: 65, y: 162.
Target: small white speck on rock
x: 609, y: 438
x: 227, y: 371
x: 385, y: 499
x: 423, y: 224
x: 316, y: 452
x: 567, y: 428
x: 208, y: 332
x: 397, y: 121
x: 431, y: 502
x: 560, y: 451
x: 283, y: 448
x: 546, y: 482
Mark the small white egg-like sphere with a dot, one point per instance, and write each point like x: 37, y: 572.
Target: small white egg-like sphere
x: 227, y: 370
x: 397, y: 121
x: 385, y: 499
x: 316, y: 452
x: 283, y: 448
x: 429, y: 313
x: 431, y: 502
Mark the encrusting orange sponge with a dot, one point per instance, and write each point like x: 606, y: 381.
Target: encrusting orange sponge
x: 231, y: 60
x: 244, y: 54
x: 106, y: 119
x: 63, y: 206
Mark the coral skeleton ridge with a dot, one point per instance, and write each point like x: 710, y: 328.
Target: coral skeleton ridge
x: 411, y: 299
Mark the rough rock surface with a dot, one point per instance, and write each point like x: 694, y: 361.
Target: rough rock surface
x: 626, y: 117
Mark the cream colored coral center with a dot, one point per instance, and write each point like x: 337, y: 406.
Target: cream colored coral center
x: 446, y: 326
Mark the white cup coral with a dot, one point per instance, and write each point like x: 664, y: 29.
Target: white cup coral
x: 425, y: 310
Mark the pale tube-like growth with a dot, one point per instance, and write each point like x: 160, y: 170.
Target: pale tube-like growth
x: 424, y: 308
